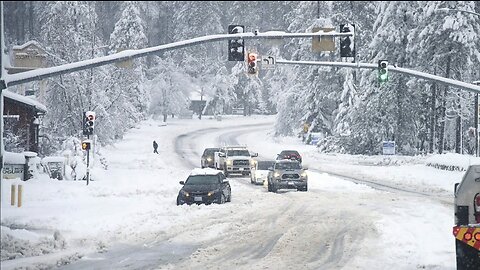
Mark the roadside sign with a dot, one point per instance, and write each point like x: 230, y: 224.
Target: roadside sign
x: 389, y: 147
x: 268, y: 62
x: 323, y: 44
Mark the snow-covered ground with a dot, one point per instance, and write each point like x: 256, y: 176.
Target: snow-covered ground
x: 127, y: 217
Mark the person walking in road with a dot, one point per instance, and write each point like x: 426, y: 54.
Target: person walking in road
x: 155, y: 146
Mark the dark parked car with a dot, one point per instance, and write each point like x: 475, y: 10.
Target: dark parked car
x: 205, y: 186
x: 290, y: 154
x: 208, y: 157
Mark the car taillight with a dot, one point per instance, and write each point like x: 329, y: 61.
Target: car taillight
x: 477, y: 207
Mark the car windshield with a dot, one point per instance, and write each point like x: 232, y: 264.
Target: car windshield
x: 288, y: 166
x: 238, y: 153
x: 287, y: 153
x: 264, y: 165
x: 202, y: 180
x: 209, y: 152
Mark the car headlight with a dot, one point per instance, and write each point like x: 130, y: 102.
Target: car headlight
x: 276, y: 174
x: 304, y: 174
x: 252, y: 163
x: 229, y: 162
x: 209, y: 159
x: 185, y: 193
x: 211, y: 193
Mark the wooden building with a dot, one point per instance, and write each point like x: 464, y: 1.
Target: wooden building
x: 22, y: 118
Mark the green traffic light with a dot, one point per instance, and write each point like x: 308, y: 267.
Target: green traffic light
x: 384, y: 77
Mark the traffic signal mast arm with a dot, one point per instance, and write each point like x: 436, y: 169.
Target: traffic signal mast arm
x: 42, y: 73
x: 463, y: 85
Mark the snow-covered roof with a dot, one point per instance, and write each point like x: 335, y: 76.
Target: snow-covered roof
x: 14, y: 158
x: 205, y: 171
x: 23, y: 46
x: 53, y: 159
x: 25, y: 100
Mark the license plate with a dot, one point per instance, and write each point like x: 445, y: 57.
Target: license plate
x: 290, y: 183
x: 198, y: 199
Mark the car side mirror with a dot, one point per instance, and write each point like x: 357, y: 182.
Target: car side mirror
x: 221, y: 155
x: 270, y: 168
x: 255, y: 155
x: 182, y: 182
x: 225, y: 180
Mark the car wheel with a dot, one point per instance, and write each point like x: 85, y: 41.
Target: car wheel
x: 178, y: 201
x: 274, y: 189
x: 222, y: 199
x: 305, y: 188
x: 269, y: 187
x: 229, y: 198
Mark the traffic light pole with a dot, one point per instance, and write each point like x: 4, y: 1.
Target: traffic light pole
x: 39, y: 74
x: 3, y: 86
x: 88, y: 163
x: 476, y: 125
x: 458, y: 84
x: 477, y: 122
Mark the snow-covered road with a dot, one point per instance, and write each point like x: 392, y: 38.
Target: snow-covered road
x: 337, y: 224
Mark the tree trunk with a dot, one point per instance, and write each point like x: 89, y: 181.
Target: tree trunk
x: 458, y: 133
x: 165, y: 117
x: 442, y: 123
x: 433, y: 117
x: 444, y: 104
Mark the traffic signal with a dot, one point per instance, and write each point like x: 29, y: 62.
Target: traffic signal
x: 252, y: 67
x: 347, y: 44
x: 86, y: 145
x: 88, y: 123
x: 382, y: 71
x: 236, y: 47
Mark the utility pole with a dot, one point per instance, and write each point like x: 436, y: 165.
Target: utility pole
x: 2, y: 87
x: 477, y: 122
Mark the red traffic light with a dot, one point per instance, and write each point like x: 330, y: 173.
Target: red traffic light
x: 252, y: 63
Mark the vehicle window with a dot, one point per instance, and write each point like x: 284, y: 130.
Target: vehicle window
x: 238, y: 153
x: 202, y: 180
x: 209, y: 152
x: 264, y: 165
x: 287, y: 166
x: 290, y: 153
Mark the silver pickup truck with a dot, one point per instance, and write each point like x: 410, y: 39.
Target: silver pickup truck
x: 287, y: 174
x: 234, y: 159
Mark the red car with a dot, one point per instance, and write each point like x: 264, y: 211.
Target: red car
x: 290, y: 154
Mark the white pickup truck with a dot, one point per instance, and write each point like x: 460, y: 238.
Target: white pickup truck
x: 234, y: 159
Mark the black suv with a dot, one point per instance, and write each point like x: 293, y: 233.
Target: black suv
x: 208, y: 157
x: 205, y: 186
x: 289, y: 154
